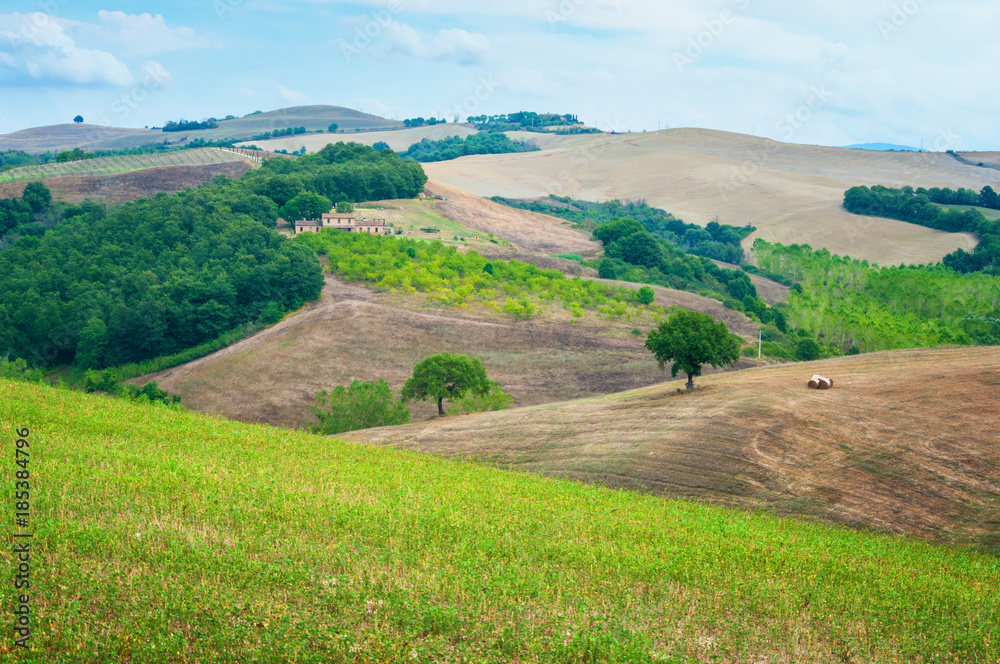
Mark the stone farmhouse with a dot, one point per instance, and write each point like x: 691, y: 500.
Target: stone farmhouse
x: 346, y: 221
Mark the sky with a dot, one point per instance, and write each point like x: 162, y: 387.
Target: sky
x: 827, y: 72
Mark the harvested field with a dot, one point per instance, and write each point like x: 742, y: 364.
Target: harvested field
x: 905, y: 441
x: 354, y: 332
x: 791, y: 193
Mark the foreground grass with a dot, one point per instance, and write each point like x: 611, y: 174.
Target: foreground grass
x: 163, y: 536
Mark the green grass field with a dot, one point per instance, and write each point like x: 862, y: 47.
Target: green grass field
x: 118, y: 165
x: 164, y: 536
x: 989, y: 213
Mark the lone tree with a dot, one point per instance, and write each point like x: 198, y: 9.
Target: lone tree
x: 78, y: 119
x: 690, y: 339
x: 446, y: 376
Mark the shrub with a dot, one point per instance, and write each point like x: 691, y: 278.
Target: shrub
x: 362, y: 405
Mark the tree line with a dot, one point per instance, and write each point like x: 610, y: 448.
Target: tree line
x: 190, y: 125
x: 454, y: 147
x: 717, y: 241
x: 923, y: 207
x: 853, y: 304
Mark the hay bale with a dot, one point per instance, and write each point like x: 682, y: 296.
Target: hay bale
x: 818, y: 382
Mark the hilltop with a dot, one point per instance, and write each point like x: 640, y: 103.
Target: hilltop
x: 94, y: 137
x: 791, y: 193
x: 224, y: 542
x: 904, y: 442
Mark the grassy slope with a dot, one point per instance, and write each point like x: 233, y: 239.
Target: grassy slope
x: 906, y: 441
x: 164, y: 536
x: 987, y: 212
x: 791, y: 193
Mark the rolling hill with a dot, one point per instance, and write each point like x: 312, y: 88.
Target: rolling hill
x: 355, y: 332
x: 904, y: 442
x: 163, y: 536
x: 95, y: 137
x: 791, y: 193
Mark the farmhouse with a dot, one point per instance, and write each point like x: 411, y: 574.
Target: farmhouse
x: 346, y: 221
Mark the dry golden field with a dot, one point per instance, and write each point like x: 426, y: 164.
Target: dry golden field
x: 791, y: 193
x: 905, y: 441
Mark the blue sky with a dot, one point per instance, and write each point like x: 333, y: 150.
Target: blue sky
x: 830, y: 72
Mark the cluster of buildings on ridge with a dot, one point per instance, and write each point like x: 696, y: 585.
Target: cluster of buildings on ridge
x: 345, y: 221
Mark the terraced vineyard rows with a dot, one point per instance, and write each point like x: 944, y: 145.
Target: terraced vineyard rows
x: 123, y: 164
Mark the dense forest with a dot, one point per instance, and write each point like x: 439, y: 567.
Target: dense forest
x: 923, y: 206
x: 718, y: 241
x: 105, y: 287
x: 454, y: 147
x: 852, y: 304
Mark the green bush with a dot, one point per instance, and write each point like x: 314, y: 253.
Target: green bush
x: 362, y: 405
x: 496, y: 398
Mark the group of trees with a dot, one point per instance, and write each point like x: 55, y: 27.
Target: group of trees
x: 192, y: 125
x: 76, y: 154
x: 851, y: 304
x: 367, y: 404
x: 277, y: 133
x: 454, y: 147
x: 717, y: 241
x: 923, y: 206
x: 30, y: 215
x: 340, y: 172
x: 523, y: 120
x: 157, y: 276
x: 419, y: 121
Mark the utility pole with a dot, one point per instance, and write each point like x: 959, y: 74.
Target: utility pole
x: 760, y: 341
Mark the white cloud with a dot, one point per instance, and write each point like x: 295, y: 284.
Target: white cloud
x: 145, y: 34
x: 451, y: 44
x: 287, y: 94
x: 35, y: 50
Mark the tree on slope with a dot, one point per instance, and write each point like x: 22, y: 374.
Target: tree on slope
x: 689, y: 339
x: 446, y: 376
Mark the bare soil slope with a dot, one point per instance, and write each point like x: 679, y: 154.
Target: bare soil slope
x: 354, y: 332
x: 791, y: 193
x: 133, y: 185
x: 905, y: 441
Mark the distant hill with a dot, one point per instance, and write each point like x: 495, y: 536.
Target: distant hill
x: 96, y: 137
x: 884, y: 146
